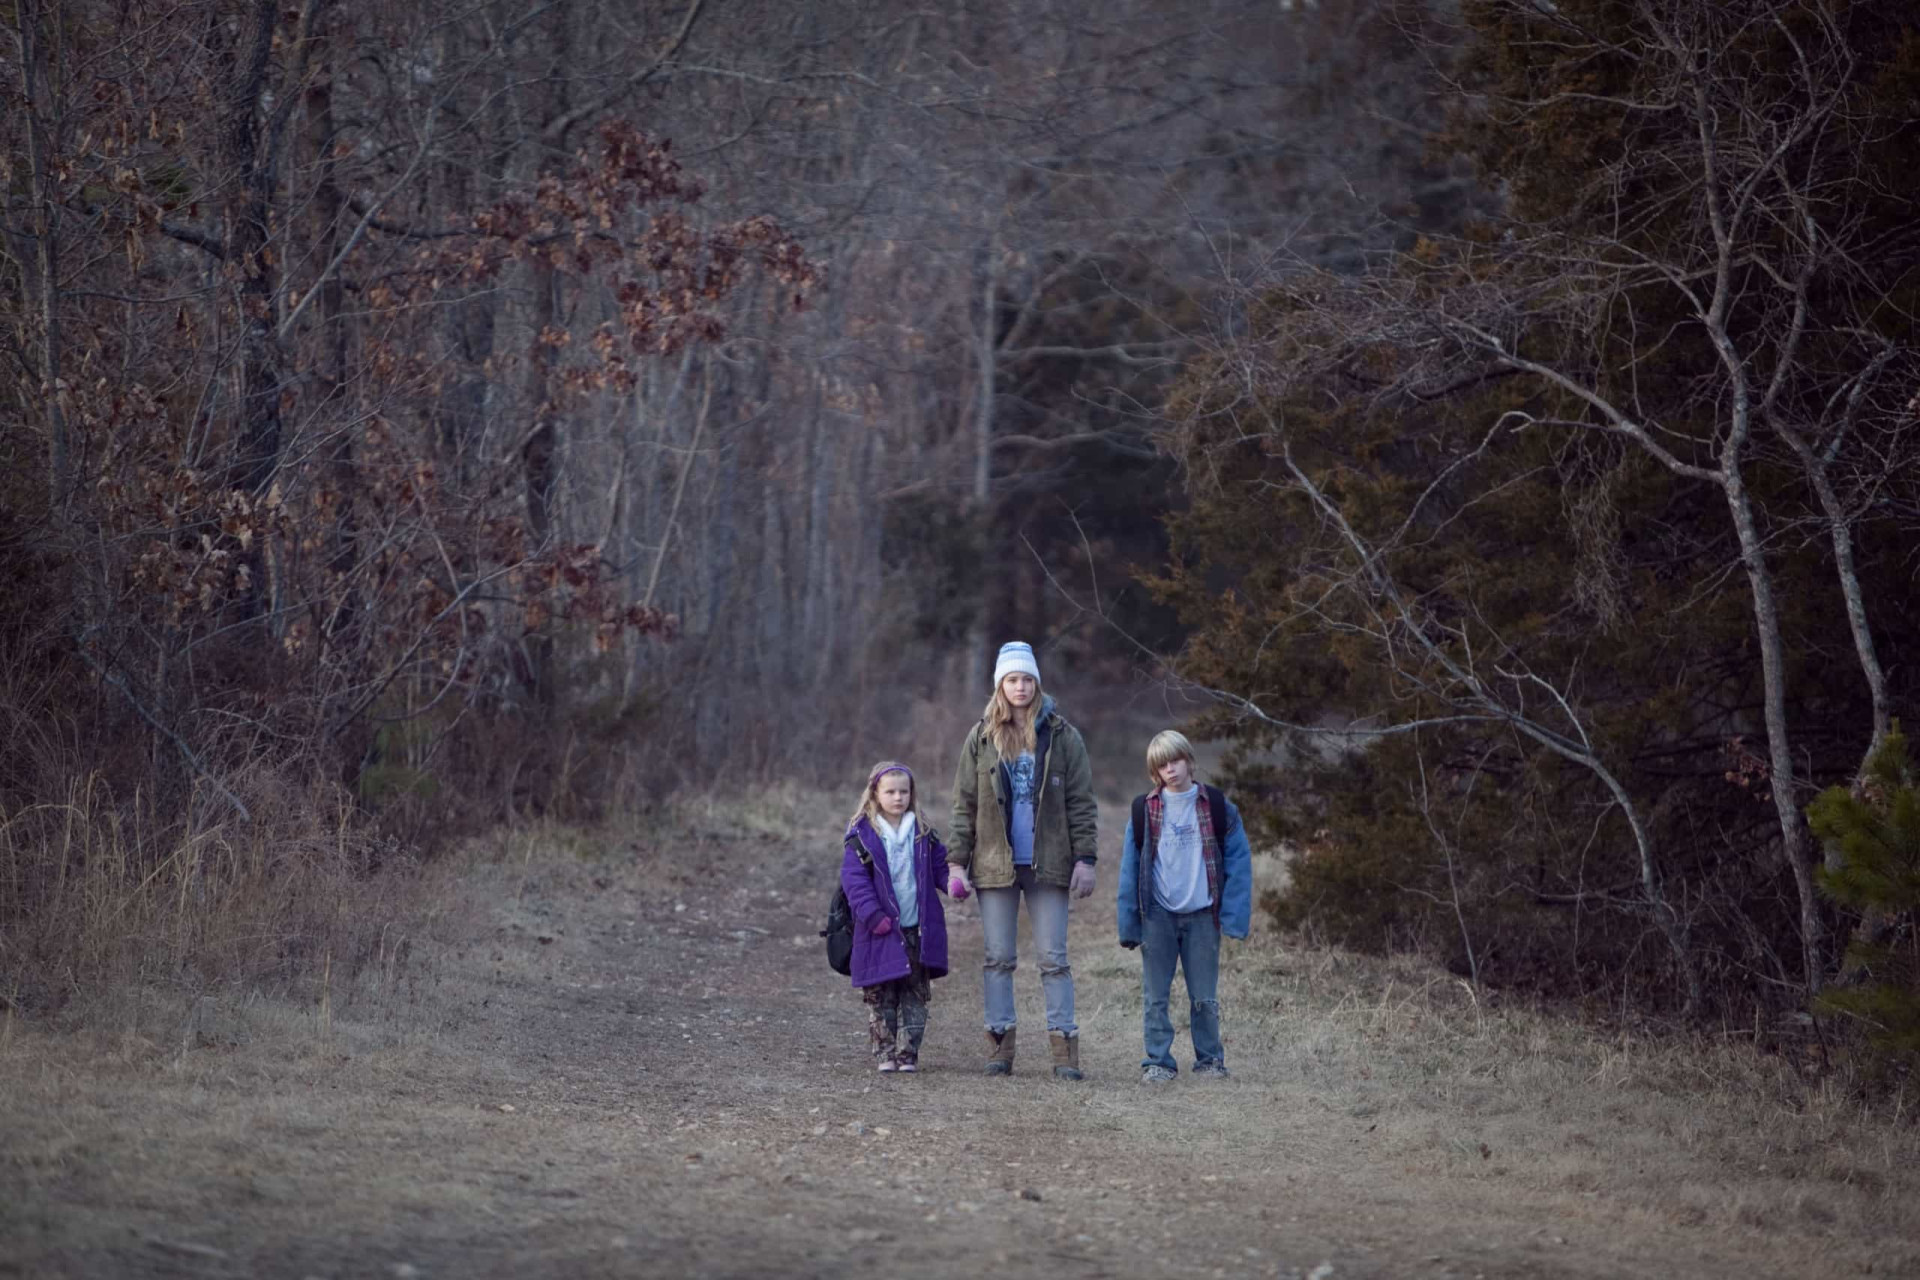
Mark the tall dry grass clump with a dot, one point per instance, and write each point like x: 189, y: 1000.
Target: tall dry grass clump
x: 206, y: 824
x: 102, y: 892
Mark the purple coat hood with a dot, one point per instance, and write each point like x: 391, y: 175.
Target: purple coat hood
x: 870, y: 895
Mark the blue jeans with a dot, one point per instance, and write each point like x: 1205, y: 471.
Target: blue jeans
x: 1193, y: 939
x: 999, y: 923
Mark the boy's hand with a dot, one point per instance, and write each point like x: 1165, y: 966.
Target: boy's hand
x: 957, y: 887
x: 1081, y: 886
x: 884, y: 928
x: 1128, y: 946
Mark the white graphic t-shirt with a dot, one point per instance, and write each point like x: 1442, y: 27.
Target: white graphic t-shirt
x: 1179, y: 866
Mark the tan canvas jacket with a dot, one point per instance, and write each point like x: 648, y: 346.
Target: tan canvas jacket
x: 1065, y: 818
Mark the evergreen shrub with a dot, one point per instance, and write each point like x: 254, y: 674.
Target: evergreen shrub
x: 1875, y: 831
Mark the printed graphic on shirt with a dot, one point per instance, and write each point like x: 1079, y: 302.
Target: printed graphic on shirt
x: 1021, y: 770
x: 1179, y: 868
x: 1185, y: 833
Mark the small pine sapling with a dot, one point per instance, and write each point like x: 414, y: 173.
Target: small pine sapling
x: 1875, y: 831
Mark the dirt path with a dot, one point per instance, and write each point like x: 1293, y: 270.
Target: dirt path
x: 593, y: 1070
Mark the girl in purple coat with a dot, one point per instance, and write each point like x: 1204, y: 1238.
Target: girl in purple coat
x: 894, y: 871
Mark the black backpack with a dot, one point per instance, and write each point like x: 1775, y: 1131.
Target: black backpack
x: 1216, y: 811
x: 839, y: 930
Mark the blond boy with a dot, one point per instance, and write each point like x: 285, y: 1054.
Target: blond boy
x: 1186, y: 876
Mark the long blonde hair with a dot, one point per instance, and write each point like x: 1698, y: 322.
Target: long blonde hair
x: 1009, y: 728
x: 870, y: 798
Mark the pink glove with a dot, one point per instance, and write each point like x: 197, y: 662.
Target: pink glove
x: 882, y: 929
x: 1081, y: 886
x: 957, y: 886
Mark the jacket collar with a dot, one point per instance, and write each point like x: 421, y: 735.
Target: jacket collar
x: 864, y: 831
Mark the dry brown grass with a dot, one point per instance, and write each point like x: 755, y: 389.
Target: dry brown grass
x: 1380, y: 1113
x: 1396, y: 1056
x: 1697, y: 1130
x: 112, y: 913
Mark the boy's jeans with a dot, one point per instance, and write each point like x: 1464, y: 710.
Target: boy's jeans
x: 1193, y: 939
x: 999, y: 923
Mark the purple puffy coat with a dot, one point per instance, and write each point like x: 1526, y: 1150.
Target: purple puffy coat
x: 870, y: 895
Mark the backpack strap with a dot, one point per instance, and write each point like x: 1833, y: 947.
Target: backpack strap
x: 859, y: 845
x: 1140, y: 821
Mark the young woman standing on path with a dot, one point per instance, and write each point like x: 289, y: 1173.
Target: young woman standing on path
x: 1024, y: 822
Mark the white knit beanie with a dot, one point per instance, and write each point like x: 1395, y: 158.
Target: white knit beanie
x: 1015, y: 655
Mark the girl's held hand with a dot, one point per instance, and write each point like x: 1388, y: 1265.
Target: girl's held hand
x: 884, y: 928
x: 957, y: 888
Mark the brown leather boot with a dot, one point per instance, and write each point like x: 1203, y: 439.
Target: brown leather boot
x: 1001, y: 1063
x: 1066, y: 1056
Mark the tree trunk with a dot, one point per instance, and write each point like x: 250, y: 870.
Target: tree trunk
x: 472, y: 322
x: 540, y: 454
x: 339, y: 628
x: 986, y: 362
x: 816, y: 477
x: 251, y: 255
x: 1841, y: 530
x: 1780, y: 769
x: 39, y: 88
x: 538, y: 464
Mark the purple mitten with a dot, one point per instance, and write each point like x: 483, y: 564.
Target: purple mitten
x: 1081, y: 886
x: 957, y: 887
x: 884, y: 928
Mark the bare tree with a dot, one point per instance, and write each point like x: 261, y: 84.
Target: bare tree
x: 1446, y: 671
x: 1732, y: 231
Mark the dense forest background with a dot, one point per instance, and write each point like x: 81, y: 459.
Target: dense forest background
x: 1499, y: 417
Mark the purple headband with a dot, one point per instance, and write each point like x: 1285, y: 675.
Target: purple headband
x: 890, y: 767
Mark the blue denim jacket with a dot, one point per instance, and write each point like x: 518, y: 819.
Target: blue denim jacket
x: 1234, y: 909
